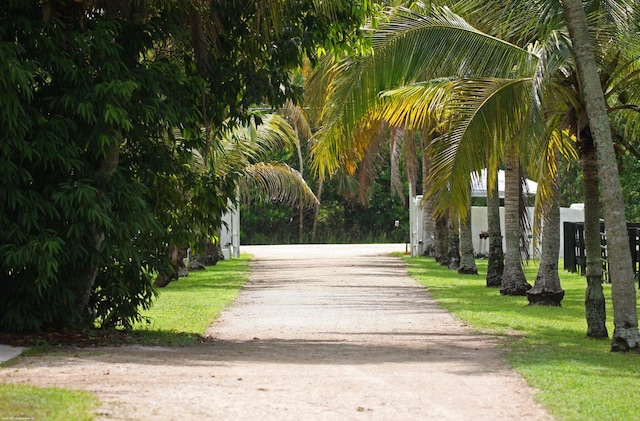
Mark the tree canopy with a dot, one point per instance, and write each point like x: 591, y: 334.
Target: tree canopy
x: 102, y: 105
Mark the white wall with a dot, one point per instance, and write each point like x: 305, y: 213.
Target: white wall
x: 479, y: 224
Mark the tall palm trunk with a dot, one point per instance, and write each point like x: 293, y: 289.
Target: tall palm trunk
x: 397, y: 140
x: 429, y: 223
x: 442, y: 240
x: 594, y: 301
x: 514, y: 281
x: 546, y: 289
x: 623, y: 293
x: 467, y: 261
x: 453, y: 225
x: 316, y: 212
x: 301, y: 169
x: 495, y: 263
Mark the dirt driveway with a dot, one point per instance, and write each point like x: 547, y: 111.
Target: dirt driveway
x: 319, y: 333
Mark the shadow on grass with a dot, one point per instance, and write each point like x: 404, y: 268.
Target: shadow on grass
x: 578, y: 376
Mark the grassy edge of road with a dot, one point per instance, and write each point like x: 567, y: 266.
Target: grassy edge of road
x: 179, y: 316
x: 576, y: 378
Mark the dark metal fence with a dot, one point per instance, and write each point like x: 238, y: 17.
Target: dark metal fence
x: 575, y: 258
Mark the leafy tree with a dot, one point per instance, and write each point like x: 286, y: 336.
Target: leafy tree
x: 95, y: 182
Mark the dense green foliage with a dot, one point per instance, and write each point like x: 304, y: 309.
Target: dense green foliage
x: 102, y: 105
x: 71, y: 98
x: 341, y: 220
x: 629, y: 170
x: 576, y: 376
x: 629, y: 166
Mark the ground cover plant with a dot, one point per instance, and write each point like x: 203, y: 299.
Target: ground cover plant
x: 577, y: 378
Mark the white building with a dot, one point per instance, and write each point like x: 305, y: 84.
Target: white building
x: 479, y: 217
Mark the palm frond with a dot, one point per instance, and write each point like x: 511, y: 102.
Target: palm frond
x: 241, y: 145
x: 488, y: 112
x: 298, y: 119
x: 411, y: 46
x: 276, y: 182
x: 419, y: 106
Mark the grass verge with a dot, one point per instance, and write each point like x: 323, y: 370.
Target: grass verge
x: 183, y: 311
x: 19, y: 402
x: 577, y: 377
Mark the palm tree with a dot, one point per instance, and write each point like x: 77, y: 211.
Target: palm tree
x: 546, y: 289
x: 495, y: 260
x: 375, y: 74
x: 399, y: 60
x: 625, y: 335
x: 236, y: 157
x: 299, y: 120
x: 514, y: 281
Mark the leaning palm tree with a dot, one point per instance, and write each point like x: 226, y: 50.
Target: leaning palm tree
x: 406, y: 50
x: 626, y: 335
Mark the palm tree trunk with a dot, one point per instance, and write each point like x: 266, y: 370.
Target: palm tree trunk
x: 467, y: 261
x: 495, y: 263
x: 301, y: 169
x: 316, y: 213
x: 429, y: 223
x: 514, y: 281
x: 442, y: 241
x: 546, y: 289
x: 454, y: 243
x: 396, y: 158
x: 594, y: 302
x: 623, y: 293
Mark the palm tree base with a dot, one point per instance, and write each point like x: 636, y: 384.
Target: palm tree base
x: 545, y: 297
x: 468, y: 270
x: 595, y: 311
x: 494, y: 276
x: 516, y: 288
x: 625, y: 339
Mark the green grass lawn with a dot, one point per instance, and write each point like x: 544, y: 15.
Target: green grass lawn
x: 19, y: 402
x: 185, y: 308
x: 578, y: 378
x: 179, y: 316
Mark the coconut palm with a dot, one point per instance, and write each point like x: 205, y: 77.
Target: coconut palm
x: 236, y: 158
x: 626, y: 298
x: 409, y: 63
x: 625, y: 335
x: 404, y: 43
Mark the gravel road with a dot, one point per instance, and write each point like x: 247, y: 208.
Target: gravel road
x: 323, y: 332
